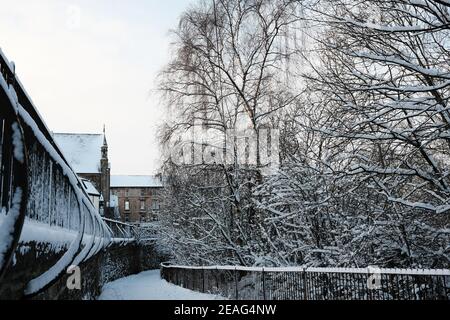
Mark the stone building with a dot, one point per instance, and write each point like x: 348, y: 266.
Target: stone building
x: 92, y: 192
x: 87, y: 154
x: 138, y: 197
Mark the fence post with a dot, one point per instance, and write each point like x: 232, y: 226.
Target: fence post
x: 203, y: 279
x: 369, y: 290
x: 305, y: 285
x: 217, y: 281
x: 264, y: 283
x: 236, y: 283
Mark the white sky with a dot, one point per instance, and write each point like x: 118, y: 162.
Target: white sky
x: 87, y: 63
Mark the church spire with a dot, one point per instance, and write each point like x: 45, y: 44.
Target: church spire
x: 104, y: 136
x: 105, y: 173
x: 105, y: 144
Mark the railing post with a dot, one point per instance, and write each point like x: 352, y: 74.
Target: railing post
x: 236, y: 283
x: 305, y: 285
x: 264, y: 283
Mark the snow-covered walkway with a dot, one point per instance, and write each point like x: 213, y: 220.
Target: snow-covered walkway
x: 149, y: 286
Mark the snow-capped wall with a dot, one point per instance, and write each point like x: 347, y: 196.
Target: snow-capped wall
x: 117, y: 261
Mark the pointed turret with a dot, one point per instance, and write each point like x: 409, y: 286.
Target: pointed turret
x: 105, y: 145
x: 105, y: 172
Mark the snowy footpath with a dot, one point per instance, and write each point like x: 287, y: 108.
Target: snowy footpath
x: 149, y: 286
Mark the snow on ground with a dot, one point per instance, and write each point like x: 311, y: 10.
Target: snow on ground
x: 149, y: 286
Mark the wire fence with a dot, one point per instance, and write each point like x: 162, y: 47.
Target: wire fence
x: 241, y: 283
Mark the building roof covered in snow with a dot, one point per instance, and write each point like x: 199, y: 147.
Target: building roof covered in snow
x: 135, y: 182
x: 90, y: 188
x: 82, y: 151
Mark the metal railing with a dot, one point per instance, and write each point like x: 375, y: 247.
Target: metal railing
x: 51, y: 193
x: 13, y: 177
x: 121, y: 230
x: 242, y: 283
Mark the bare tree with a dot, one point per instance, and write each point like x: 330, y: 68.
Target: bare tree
x: 226, y: 73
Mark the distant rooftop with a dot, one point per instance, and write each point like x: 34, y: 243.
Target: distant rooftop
x: 82, y: 151
x: 135, y: 182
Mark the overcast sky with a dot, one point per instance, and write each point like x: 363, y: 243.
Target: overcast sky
x: 87, y: 63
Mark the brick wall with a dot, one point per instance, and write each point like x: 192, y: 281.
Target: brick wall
x: 135, y: 196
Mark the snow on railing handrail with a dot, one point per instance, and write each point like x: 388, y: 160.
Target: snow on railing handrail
x: 119, y: 222
x: 7, y: 62
x: 368, y: 270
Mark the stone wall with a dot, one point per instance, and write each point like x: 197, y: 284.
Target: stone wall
x: 115, y: 262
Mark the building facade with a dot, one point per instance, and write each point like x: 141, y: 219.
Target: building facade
x: 87, y: 154
x: 138, y: 197
x: 92, y: 192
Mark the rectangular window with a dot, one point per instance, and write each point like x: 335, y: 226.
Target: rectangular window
x: 127, y: 205
x: 142, y: 205
x: 155, y: 205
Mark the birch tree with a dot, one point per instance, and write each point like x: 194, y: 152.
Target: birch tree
x: 225, y: 75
